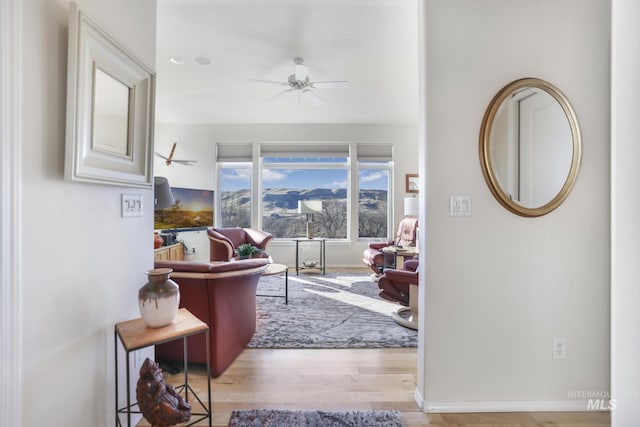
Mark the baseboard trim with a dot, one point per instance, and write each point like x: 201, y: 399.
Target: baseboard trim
x: 419, y: 399
x: 506, y: 406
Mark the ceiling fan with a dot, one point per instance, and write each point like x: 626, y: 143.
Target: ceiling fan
x: 170, y: 159
x: 300, y: 84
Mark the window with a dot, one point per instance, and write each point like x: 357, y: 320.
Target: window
x: 297, y: 172
x: 234, y: 173
x: 234, y: 195
x: 374, y: 188
x: 373, y: 200
x: 289, y: 173
x: 283, y: 188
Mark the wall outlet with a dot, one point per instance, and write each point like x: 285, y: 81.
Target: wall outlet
x: 559, y: 348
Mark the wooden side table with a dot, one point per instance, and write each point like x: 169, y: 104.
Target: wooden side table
x: 392, y: 253
x: 134, y: 335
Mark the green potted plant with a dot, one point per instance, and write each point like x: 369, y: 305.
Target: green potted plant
x: 246, y: 250
x: 257, y: 253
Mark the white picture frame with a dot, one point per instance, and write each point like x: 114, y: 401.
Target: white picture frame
x: 109, y: 139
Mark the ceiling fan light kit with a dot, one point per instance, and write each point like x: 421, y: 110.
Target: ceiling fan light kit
x: 301, y: 70
x: 300, y: 83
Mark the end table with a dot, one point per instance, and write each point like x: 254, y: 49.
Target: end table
x: 392, y: 253
x: 134, y: 335
x: 322, y: 242
x: 272, y: 270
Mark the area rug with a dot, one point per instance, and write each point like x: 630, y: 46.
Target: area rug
x: 282, y: 418
x: 327, y: 311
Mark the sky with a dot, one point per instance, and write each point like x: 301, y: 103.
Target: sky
x: 300, y: 179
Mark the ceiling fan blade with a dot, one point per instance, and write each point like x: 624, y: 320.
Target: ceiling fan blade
x: 269, y: 81
x: 279, y: 94
x: 337, y: 84
x: 313, y: 97
x: 185, y: 162
x: 301, y: 72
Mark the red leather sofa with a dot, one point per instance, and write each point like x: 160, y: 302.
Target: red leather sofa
x: 223, y: 295
x: 224, y: 241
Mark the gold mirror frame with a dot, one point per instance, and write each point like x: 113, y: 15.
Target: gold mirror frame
x: 485, y: 140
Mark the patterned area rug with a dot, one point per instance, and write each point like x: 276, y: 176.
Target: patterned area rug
x: 332, y: 311
x: 281, y: 418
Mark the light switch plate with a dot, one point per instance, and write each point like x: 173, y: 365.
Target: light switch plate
x: 459, y: 205
x: 131, y: 205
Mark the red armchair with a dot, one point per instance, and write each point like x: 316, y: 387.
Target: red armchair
x: 401, y: 286
x: 224, y: 241
x: 373, y: 256
x: 223, y: 295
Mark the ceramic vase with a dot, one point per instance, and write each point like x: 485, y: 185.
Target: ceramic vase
x: 157, y: 240
x: 158, y: 299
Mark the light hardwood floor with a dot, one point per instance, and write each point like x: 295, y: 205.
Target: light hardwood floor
x: 361, y: 379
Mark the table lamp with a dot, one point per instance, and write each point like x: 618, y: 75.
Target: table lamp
x: 309, y: 207
x: 162, y: 199
x: 162, y: 195
x: 410, y: 206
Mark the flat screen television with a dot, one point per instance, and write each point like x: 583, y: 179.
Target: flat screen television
x: 192, y: 210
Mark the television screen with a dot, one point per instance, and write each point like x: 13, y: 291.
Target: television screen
x: 193, y: 209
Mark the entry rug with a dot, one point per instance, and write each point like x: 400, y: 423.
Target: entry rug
x: 337, y: 310
x: 282, y: 418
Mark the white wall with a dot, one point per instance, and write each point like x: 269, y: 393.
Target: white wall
x: 10, y: 217
x: 82, y: 262
x: 500, y: 287
x: 197, y: 141
x: 625, y: 202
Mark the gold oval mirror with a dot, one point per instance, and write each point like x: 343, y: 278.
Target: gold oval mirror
x: 530, y: 147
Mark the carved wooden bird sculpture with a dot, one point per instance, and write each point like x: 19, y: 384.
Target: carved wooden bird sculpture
x: 159, y: 402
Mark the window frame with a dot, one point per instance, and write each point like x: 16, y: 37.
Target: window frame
x: 372, y: 164
x: 382, y: 158
x: 218, y: 197
x: 300, y: 165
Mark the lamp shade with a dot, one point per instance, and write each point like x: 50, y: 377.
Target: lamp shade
x: 162, y: 195
x: 309, y: 206
x: 411, y: 206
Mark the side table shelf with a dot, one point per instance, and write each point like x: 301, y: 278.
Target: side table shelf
x: 134, y: 335
x: 322, y: 242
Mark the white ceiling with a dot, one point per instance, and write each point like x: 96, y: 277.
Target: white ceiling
x: 370, y: 43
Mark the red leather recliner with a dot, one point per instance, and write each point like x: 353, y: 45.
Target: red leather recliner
x: 401, y: 286
x: 224, y: 241
x: 373, y: 257
x: 223, y: 295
